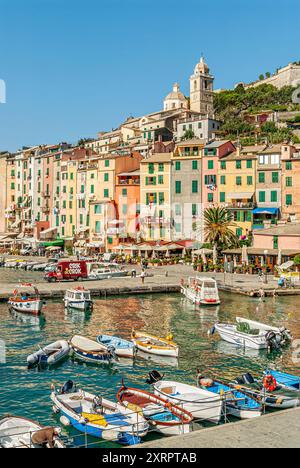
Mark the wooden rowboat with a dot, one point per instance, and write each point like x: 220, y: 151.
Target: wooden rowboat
x: 153, y: 345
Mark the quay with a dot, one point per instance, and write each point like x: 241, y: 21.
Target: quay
x: 161, y: 280
x: 276, y: 430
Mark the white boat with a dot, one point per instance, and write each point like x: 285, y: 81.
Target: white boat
x: 153, y: 345
x: 201, y: 291
x: 16, y: 432
x: 202, y: 404
x: 50, y: 355
x: 91, y: 351
x: 78, y: 298
x: 97, y: 416
x: 26, y: 302
x: 250, y: 334
x: 121, y: 347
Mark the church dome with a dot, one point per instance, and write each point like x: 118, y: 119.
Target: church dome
x: 201, y: 67
x: 176, y: 94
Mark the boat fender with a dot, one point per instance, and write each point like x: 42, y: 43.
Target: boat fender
x: 206, y: 382
x: 110, y: 434
x: 65, y: 421
x: 270, y: 383
x: 55, y: 409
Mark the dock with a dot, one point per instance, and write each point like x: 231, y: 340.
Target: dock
x: 276, y: 430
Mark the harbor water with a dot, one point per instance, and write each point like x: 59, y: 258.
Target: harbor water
x: 26, y: 392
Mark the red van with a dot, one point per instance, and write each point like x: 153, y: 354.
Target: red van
x: 68, y: 271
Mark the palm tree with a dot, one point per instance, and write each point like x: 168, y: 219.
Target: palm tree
x: 217, y: 228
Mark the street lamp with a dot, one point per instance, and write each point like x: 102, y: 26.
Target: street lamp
x: 266, y: 263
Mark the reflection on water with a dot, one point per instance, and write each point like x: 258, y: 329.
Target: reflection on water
x: 27, y: 392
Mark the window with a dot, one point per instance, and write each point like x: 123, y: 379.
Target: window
x: 249, y: 164
x: 261, y: 177
x: 97, y: 209
x: 160, y: 179
x: 194, y: 186
x: 81, y: 218
x: 210, y: 164
x: 178, y: 210
x: 106, y: 177
x: 177, y: 187
x: 274, y: 196
x: 82, y: 189
x: 223, y: 165
x: 210, y: 180
x: 223, y: 180
x: 107, y: 163
x: 12, y: 185
x: 238, y: 164
x: 161, y: 198
x: 210, y: 197
x: 92, y: 189
x: 178, y: 227
x: 289, y: 181
x: 275, y: 177
x: 194, y: 209
x: 161, y: 167
x: 124, y: 192
x: 106, y: 193
x: 262, y: 197
x: 222, y: 197
x: 289, y: 165
x: 151, y: 168
x: 195, y: 165
x: 238, y: 180
x: 249, y: 180
x: 124, y: 209
x: 98, y: 227
x: 275, y: 242
x: 289, y: 200
x: 177, y: 165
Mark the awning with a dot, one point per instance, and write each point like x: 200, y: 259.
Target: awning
x: 47, y: 233
x: 241, y: 196
x: 57, y: 243
x: 272, y: 211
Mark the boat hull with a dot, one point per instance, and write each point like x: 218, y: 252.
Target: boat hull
x: 27, y: 307
x: 55, y: 353
x: 231, y: 335
x: 78, y: 305
x: 195, y: 299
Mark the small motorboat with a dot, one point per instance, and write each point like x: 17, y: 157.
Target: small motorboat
x: 201, y: 403
x: 249, y: 334
x: 269, y: 391
x: 16, y: 432
x: 165, y: 417
x: 26, y: 302
x: 236, y: 402
x: 201, y: 291
x: 50, y: 355
x: 91, y: 351
x: 78, y: 298
x: 98, y: 417
x: 153, y: 345
x: 121, y: 347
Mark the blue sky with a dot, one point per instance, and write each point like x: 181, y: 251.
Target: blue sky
x: 75, y: 67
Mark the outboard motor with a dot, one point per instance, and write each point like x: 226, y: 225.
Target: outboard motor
x: 154, y: 376
x: 67, y: 387
x: 43, y: 361
x: 272, y: 341
x: 112, y: 352
x: 248, y: 379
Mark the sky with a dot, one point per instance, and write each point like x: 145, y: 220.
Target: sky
x: 73, y: 68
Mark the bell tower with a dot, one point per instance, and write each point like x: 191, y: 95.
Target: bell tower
x: 201, y: 90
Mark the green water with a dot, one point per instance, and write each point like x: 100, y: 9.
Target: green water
x: 26, y: 392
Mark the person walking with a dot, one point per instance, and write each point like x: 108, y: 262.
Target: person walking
x: 143, y: 275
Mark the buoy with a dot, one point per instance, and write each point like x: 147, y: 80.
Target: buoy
x: 65, y: 421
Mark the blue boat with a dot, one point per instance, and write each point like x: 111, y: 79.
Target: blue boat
x: 287, y: 381
x: 238, y: 403
x: 98, y: 417
x: 121, y: 347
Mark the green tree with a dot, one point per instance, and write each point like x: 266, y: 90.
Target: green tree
x: 261, y: 77
x: 218, y: 224
x: 188, y: 135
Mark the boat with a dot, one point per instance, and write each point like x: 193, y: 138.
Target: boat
x: 28, y: 303
x: 50, y: 355
x: 121, y: 347
x: 270, y: 391
x: 16, y: 432
x: 237, y: 403
x: 165, y: 417
x: 201, y: 403
x: 98, y: 417
x: 78, y: 298
x: 201, y: 291
x: 91, y: 351
x: 153, y: 345
x: 250, y: 334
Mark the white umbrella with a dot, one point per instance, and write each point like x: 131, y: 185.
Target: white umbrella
x: 167, y: 253
x: 154, y: 255
x: 234, y: 261
x: 215, y: 255
x: 279, y: 260
x: 183, y: 253
x: 245, y: 259
x: 204, y: 258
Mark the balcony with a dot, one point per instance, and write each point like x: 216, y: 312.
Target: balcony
x: 240, y: 206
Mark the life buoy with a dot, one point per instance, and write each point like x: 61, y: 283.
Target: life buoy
x: 270, y: 383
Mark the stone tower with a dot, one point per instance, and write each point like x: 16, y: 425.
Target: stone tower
x: 201, y: 90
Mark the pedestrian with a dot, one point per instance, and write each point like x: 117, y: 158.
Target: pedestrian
x: 143, y: 274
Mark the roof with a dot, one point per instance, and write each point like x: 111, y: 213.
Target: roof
x: 217, y: 144
x: 131, y: 173
x: 290, y: 229
x: 271, y: 149
x: 158, y: 157
x: 241, y: 157
x: 193, y: 141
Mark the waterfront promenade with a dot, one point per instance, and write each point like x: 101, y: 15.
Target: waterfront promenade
x: 164, y: 279
x: 277, y: 430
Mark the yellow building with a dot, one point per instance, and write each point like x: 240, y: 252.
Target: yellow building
x: 71, y: 202
x: 156, y: 214
x: 237, y: 184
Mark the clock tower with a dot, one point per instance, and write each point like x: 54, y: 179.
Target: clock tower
x: 201, y: 90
